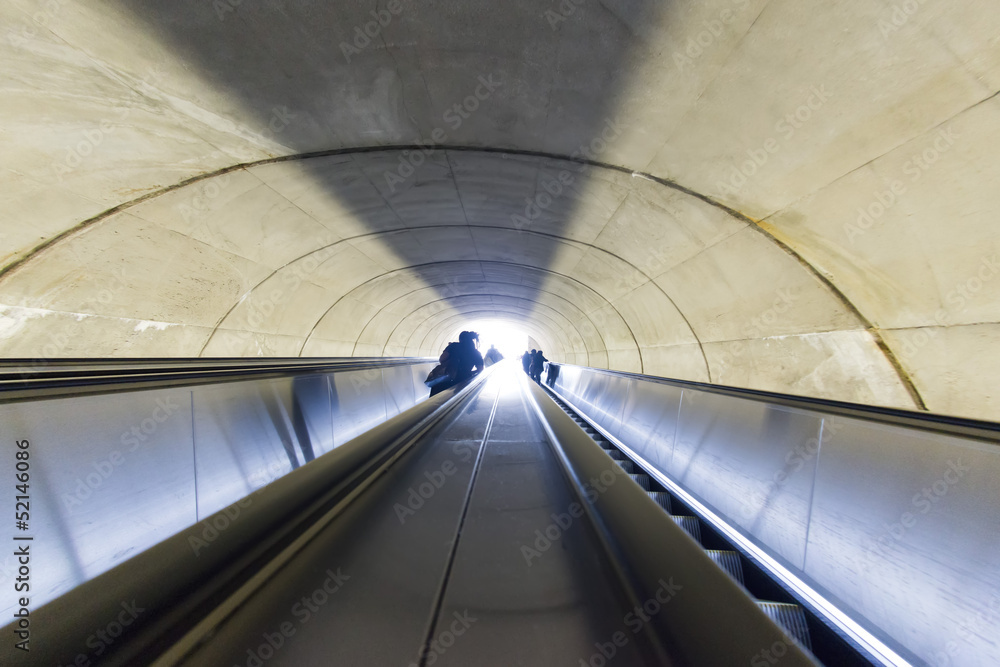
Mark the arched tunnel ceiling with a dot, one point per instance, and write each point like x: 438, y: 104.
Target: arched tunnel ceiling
x: 785, y: 195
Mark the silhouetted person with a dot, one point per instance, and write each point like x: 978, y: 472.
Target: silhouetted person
x: 459, y: 362
x: 553, y: 375
x: 526, y: 361
x: 493, y: 355
x: 537, y: 363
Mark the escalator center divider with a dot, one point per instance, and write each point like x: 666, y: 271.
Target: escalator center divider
x: 442, y: 589
x: 710, y: 620
x: 177, y: 588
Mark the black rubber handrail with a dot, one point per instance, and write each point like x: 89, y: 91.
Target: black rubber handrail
x: 20, y: 380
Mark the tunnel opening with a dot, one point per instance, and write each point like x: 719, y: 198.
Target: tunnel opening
x: 508, y: 338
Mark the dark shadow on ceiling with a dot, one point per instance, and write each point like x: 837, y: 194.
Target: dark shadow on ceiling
x: 522, y: 75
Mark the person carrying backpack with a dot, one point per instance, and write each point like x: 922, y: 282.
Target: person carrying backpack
x: 459, y: 362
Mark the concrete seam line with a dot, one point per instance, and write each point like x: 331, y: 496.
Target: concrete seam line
x: 475, y: 282
x: 458, y: 317
x: 904, y: 377
x: 520, y: 267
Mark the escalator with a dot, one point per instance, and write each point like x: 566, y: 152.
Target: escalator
x: 496, y: 523
x: 460, y: 534
x: 776, y: 602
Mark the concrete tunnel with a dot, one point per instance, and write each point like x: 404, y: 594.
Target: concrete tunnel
x: 773, y: 194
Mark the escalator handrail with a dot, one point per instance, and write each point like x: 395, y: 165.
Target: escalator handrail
x: 927, y: 421
x: 19, y: 380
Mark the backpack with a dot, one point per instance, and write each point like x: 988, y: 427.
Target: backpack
x: 447, y: 369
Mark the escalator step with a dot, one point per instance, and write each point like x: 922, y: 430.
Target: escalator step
x: 641, y: 480
x: 728, y: 561
x: 628, y: 466
x: 616, y: 454
x: 662, y: 499
x: 791, y: 617
x: 690, y: 525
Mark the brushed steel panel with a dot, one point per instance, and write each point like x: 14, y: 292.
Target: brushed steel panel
x: 358, y: 403
x: 244, y: 439
x: 402, y: 390
x: 600, y: 395
x: 905, y: 530
x: 111, y: 475
x: 649, y: 422
x: 742, y: 457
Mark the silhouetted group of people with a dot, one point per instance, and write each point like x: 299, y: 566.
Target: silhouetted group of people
x: 534, y: 362
x: 461, y: 360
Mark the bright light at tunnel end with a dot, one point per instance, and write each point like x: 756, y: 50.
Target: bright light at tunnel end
x: 508, y: 338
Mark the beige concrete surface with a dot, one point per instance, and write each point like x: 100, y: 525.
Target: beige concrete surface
x: 781, y: 194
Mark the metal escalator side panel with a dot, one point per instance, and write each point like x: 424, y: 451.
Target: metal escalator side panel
x: 195, y: 565
x: 652, y: 552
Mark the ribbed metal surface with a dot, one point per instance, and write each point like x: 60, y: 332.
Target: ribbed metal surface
x: 728, y: 561
x: 791, y: 617
x: 662, y: 499
x: 690, y: 525
x: 641, y: 480
x: 627, y: 466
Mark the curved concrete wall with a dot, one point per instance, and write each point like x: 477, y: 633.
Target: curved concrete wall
x: 774, y: 194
